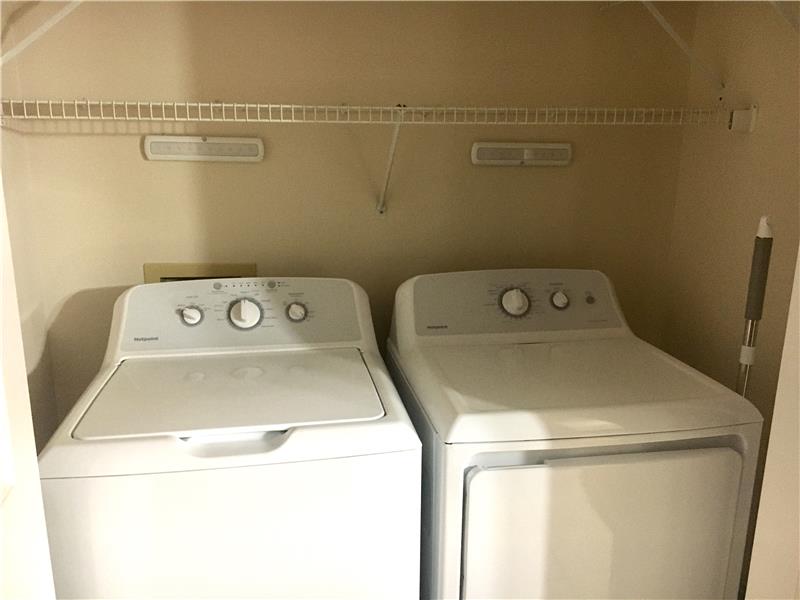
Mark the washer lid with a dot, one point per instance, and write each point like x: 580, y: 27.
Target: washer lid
x: 233, y: 393
x: 546, y: 391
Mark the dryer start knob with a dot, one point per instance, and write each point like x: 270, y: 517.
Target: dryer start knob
x: 515, y: 302
x: 244, y: 313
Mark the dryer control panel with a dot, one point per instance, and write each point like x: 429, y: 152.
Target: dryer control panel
x: 512, y: 301
x: 233, y: 313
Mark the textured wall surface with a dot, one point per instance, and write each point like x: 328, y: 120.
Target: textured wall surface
x: 668, y: 213
x: 86, y: 209
x: 726, y: 182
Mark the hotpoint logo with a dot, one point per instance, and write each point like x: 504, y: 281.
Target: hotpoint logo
x: 146, y: 339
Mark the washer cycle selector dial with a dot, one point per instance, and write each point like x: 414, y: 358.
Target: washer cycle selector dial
x: 559, y: 300
x: 191, y: 315
x: 244, y: 313
x: 515, y: 302
x: 296, y: 312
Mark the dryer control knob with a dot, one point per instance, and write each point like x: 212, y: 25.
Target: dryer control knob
x: 515, y: 302
x: 559, y: 300
x: 244, y: 314
x: 191, y: 315
x: 296, y: 312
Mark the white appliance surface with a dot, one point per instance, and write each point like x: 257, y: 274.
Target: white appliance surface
x: 642, y: 525
x: 551, y: 390
x: 242, y: 439
x: 344, y: 528
x: 232, y: 393
x: 563, y: 457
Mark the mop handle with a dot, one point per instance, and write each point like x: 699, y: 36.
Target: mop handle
x: 762, y: 248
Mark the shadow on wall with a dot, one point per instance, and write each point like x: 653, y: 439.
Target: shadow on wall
x: 43, y: 403
x: 76, y: 344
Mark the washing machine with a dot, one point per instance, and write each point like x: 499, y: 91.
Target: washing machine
x: 563, y: 457
x: 242, y: 440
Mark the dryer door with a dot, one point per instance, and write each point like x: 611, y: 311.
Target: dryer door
x: 646, y: 525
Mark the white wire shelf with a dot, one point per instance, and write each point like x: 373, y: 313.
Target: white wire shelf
x: 233, y: 112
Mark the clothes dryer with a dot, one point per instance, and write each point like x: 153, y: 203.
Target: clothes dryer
x: 242, y: 440
x: 563, y: 457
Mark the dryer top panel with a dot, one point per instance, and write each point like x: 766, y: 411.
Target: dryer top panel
x: 576, y: 389
x: 543, y: 354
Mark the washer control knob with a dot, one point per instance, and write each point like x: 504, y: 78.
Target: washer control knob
x: 244, y: 313
x: 515, y: 302
x: 191, y: 315
x: 296, y: 312
x: 559, y: 300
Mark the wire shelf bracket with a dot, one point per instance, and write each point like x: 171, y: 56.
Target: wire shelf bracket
x: 381, y: 205
x: 710, y: 74
x: 39, y: 32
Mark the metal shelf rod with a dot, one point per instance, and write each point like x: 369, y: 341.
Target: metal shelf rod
x: 237, y: 112
x: 381, y: 205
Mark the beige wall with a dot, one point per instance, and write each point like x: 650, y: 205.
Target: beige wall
x: 726, y: 182
x: 86, y: 210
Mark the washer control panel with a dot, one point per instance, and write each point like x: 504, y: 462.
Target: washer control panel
x: 239, y: 312
x: 513, y: 300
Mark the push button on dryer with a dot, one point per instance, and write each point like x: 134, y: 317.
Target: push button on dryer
x: 559, y: 300
x: 296, y: 312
